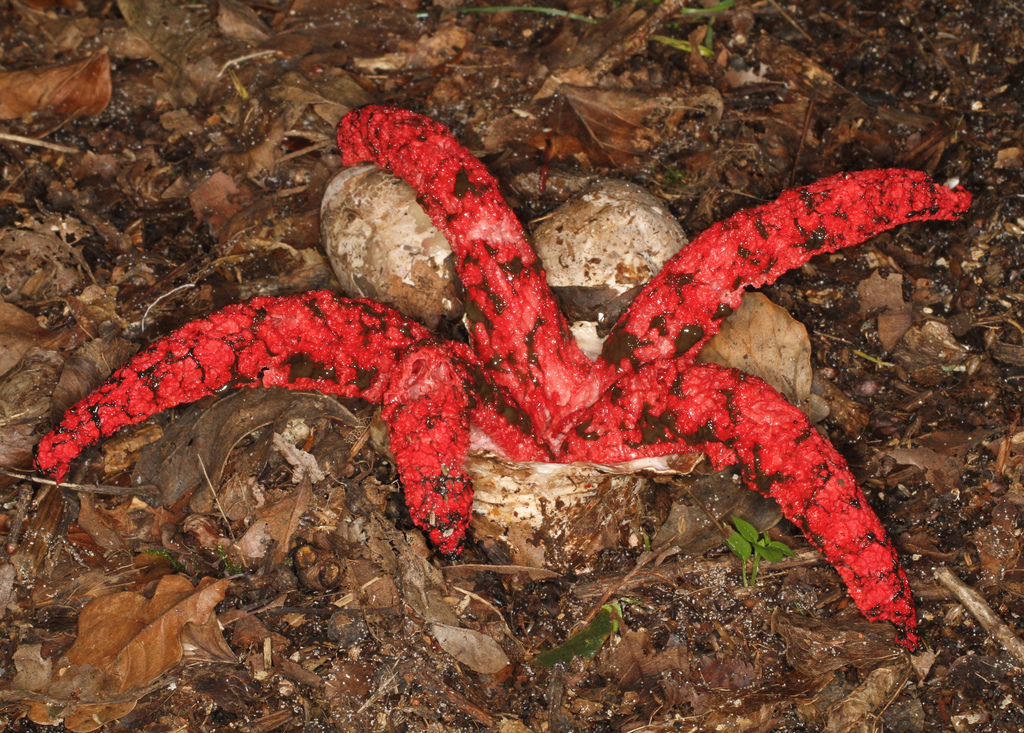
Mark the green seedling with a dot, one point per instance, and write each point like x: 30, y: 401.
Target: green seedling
x: 227, y: 565
x: 588, y: 641
x: 747, y: 543
x: 705, y: 50
x: 176, y: 565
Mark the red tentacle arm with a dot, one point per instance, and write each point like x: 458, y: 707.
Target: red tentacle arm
x: 674, y: 406
x: 518, y: 330
x: 437, y: 403
x: 316, y: 340
x: 684, y: 305
x: 426, y: 408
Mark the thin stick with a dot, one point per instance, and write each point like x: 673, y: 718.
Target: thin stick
x: 83, y: 488
x: 216, y: 497
x: 169, y: 293
x: 248, y: 57
x: 979, y: 608
x: 792, y: 22
x: 803, y: 137
x: 322, y: 145
x: 642, y: 561
x: 37, y: 143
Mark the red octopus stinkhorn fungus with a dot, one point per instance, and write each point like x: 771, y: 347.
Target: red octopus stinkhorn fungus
x: 523, y: 389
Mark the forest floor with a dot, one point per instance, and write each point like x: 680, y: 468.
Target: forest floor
x: 161, y: 160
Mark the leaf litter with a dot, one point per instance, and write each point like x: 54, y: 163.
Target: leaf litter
x: 249, y: 96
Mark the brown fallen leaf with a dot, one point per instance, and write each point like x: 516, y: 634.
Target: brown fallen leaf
x: 884, y: 295
x: 626, y: 660
x: 939, y: 469
x: 24, y: 404
x: 37, y: 262
x: 930, y: 353
x: 76, y: 89
x: 213, y: 200
x: 817, y: 647
x: 477, y: 651
x: 195, y: 448
x: 424, y: 53
x: 762, y: 339
x: 925, y: 149
x: 239, y: 21
x: 86, y: 369
x: 19, y: 332
x: 1009, y: 158
x: 92, y: 519
x: 125, y: 642
x: 205, y: 642
x: 802, y: 72
x: 859, y: 710
x: 33, y: 671
x: 275, y: 525
x: 80, y: 718
x: 617, y: 126
x: 188, y: 46
x: 135, y: 639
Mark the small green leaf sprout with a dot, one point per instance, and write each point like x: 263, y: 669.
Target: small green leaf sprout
x: 676, y: 43
x: 588, y: 641
x: 746, y: 542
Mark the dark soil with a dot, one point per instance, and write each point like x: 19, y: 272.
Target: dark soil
x: 198, y: 184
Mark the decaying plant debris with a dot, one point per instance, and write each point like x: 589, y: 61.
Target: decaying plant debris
x: 152, y: 177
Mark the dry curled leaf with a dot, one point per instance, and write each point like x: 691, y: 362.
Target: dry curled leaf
x: 19, y: 332
x: 618, y: 126
x: 930, y: 353
x: 817, y: 647
x: 38, y: 259
x: 762, y: 339
x: 275, y: 525
x: 125, y: 642
x: 884, y: 295
x: 477, y: 651
x: 135, y: 639
x: 193, y: 451
x: 24, y: 403
x: 858, y: 712
x: 74, y: 89
x: 424, y: 53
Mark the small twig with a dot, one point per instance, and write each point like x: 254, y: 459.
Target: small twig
x: 468, y: 568
x: 383, y: 687
x: 803, y: 138
x: 792, y: 22
x: 216, y: 497
x: 829, y: 336
x: 82, y: 488
x: 37, y: 143
x: 484, y: 601
x: 151, y: 306
x: 24, y: 500
x: 644, y: 560
x: 979, y: 608
x: 873, y: 359
x: 235, y: 61
x: 322, y: 145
